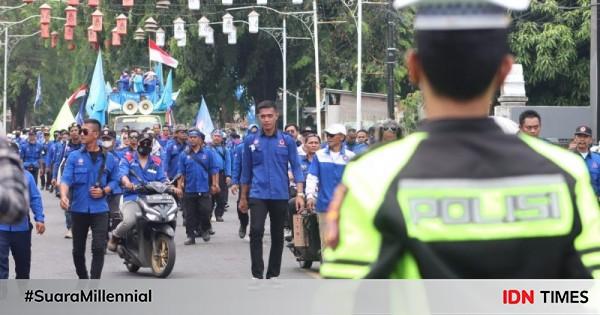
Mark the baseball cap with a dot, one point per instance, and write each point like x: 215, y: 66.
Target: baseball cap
x: 307, y: 130
x: 196, y: 133
x: 108, y: 134
x: 336, y: 129
x: 435, y: 15
x: 583, y: 130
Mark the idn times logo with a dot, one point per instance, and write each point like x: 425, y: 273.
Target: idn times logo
x: 516, y: 296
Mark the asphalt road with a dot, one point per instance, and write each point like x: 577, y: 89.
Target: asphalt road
x: 226, y: 256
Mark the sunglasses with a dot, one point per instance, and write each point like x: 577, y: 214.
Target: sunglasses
x: 392, y: 129
x: 133, y: 137
x: 329, y: 135
x: 85, y: 131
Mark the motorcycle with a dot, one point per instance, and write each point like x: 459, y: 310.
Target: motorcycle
x: 150, y: 243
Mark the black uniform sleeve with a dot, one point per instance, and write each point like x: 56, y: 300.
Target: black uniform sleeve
x: 14, y: 201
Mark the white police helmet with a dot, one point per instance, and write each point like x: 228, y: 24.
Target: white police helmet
x: 436, y: 15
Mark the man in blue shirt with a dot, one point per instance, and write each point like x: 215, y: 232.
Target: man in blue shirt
x: 196, y: 165
x: 583, y: 140
x: 174, y: 149
x: 265, y: 186
x: 352, y: 144
x: 90, y: 175
x: 16, y: 238
x: 325, y: 173
x: 108, y: 145
x: 61, y: 155
x: 31, y: 154
x: 137, y: 169
x: 223, y: 157
x: 46, y: 144
x: 50, y: 158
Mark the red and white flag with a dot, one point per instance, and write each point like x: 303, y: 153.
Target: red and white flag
x: 79, y: 93
x: 159, y: 55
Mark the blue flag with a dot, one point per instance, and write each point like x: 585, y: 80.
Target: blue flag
x: 203, y: 121
x: 97, y: 98
x: 158, y: 69
x: 166, y: 99
x: 38, y: 94
x: 81, y: 112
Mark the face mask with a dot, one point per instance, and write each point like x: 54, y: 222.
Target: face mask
x: 144, y: 150
x: 107, y: 144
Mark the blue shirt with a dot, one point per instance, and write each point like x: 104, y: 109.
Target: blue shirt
x: 35, y: 203
x: 31, y: 154
x: 236, y: 169
x: 81, y: 174
x: 152, y: 172
x: 265, y: 165
x: 172, y: 153
x: 62, y: 154
x: 593, y: 163
x: 196, y: 175
x: 357, y: 148
x: 329, y: 171
x: 51, y: 152
x: 223, y: 159
x: 304, y: 163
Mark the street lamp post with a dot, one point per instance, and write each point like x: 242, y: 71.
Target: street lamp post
x: 6, y: 26
x: 315, y: 38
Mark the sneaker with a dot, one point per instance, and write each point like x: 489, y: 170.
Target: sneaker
x: 213, y: 219
x: 206, y: 236
x: 287, y: 235
x: 220, y: 219
x: 242, y: 232
x: 68, y: 234
x: 189, y: 241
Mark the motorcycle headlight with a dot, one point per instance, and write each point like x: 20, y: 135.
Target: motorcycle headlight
x: 149, y: 210
x: 151, y: 216
x: 171, y: 216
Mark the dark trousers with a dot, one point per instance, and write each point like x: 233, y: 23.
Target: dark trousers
x: 258, y: 214
x: 220, y: 199
x: 19, y: 244
x: 43, y: 177
x: 34, y: 171
x: 290, y: 214
x: 48, y: 176
x: 82, y: 222
x: 114, y: 216
x: 243, y: 217
x: 197, y: 210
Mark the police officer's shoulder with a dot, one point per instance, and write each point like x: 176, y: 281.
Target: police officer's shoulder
x: 565, y: 159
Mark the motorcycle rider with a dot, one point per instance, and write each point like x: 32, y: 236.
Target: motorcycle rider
x: 135, y: 169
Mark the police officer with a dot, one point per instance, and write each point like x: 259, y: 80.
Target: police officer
x: 90, y: 174
x: 137, y: 169
x: 442, y: 201
x: 13, y: 202
x: 265, y: 186
x: 223, y: 157
x: 62, y: 154
x: 31, y: 154
x: 174, y: 149
x: 196, y: 165
x: 16, y: 238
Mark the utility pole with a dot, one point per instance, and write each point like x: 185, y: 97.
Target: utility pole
x: 594, y: 62
x: 391, y: 61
